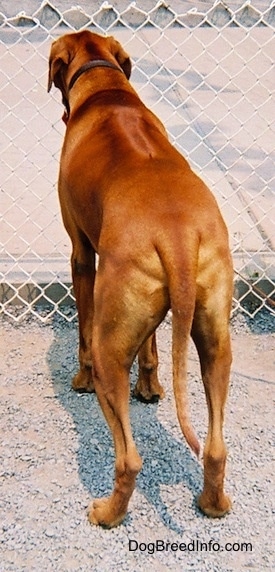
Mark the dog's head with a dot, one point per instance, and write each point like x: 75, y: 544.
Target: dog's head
x: 71, y: 51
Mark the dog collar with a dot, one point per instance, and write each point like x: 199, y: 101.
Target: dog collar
x: 90, y: 65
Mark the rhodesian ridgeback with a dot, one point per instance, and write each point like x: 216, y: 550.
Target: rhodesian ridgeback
x: 128, y: 195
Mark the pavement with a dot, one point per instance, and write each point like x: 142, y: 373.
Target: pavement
x: 56, y: 454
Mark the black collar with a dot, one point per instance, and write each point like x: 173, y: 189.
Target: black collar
x: 92, y: 64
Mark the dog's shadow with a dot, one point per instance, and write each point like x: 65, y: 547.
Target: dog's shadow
x: 166, y: 461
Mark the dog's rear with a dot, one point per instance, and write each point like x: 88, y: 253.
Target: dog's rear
x: 127, y: 194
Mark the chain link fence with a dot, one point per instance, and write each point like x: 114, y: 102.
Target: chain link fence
x: 208, y: 74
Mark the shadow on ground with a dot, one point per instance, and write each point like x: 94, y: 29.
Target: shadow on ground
x: 166, y: 461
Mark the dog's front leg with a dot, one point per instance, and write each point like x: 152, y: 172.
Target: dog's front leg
x: 83, y: 275
x: 148, y: 388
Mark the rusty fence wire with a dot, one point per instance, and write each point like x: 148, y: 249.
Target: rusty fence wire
x: 209, y: 76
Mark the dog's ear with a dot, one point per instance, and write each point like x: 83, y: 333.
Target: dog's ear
x: 58, y: 62
x: 121, y: 56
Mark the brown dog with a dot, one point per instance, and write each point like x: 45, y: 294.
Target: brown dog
x: 128, y: 195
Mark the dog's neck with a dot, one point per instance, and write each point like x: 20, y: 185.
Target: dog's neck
x: 90, y: 65
x: 79, y: 72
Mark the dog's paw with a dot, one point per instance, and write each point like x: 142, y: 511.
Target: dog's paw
x: 147, y: 398
x: 149, y: 394
x: 83, y: 381
x: 100, y: 512
x: 215, y: 509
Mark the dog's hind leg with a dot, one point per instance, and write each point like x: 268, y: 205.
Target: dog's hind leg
x: 111, y: 367
x: 148, y: 388
x: 210, y: 333
x: 123, y: 320
x: 112, y: 389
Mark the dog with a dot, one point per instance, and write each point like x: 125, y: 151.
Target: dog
x: 128, y: 195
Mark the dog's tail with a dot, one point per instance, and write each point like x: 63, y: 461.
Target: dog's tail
x: 181, y: 274
x: 180, y: 344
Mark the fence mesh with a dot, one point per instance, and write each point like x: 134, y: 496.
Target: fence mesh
x: 209, y: 76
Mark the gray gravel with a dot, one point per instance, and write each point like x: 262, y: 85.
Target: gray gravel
x: 56, y: 454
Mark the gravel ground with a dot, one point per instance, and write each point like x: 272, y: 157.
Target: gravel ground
x: 56, y: 454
